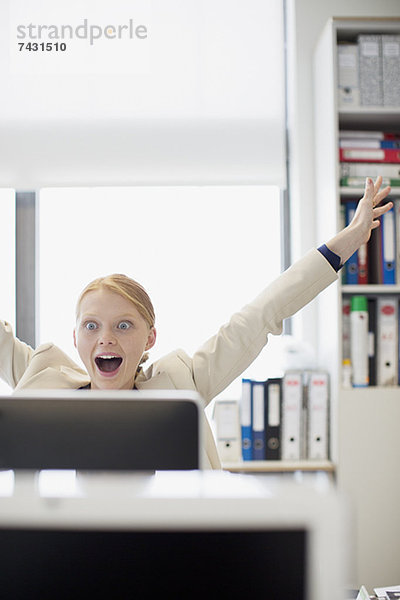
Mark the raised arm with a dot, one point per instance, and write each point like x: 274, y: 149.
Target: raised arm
x: 366, y: 218
x: 14, y: 355
x: 227, y: 354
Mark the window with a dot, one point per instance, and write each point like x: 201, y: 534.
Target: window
x: 170, y: 142
x: 201, y: 253
x: 7, y: 251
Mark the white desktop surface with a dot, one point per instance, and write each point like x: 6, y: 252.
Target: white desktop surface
x: 185, y: 500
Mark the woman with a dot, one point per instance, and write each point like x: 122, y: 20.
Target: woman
x: 115, y: 327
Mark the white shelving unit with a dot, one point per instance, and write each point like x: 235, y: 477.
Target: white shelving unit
x: 365, y: 423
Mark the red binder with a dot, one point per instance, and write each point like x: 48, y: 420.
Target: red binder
x: 385, y: 155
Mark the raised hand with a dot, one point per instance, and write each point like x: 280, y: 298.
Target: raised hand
x: 366, y: 218
x: 370, y: 209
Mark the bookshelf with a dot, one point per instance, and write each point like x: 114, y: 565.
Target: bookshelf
x: 364, y: 422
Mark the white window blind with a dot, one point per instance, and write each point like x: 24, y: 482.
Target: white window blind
x: 199, y: 100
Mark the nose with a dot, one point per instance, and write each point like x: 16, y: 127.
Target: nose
x: 107, y: 338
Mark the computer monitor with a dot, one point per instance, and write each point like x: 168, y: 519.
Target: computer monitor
x: 198, y: 534
x: 101, y: 430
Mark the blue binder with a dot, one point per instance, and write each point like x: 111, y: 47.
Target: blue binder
x: 351, y: 266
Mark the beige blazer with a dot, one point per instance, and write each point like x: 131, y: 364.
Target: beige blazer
x: 219, y: 361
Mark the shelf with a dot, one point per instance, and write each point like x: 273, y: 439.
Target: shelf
x: 347, y: 28
x: 379, y: 118
x: 279, y: 466
x: 359, y: 192
x: 370, y: 111
x: 372, y: 288
x: 390, y: 392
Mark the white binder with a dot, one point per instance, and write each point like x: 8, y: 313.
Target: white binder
x: 318, y: 416
x: 391, y: 69
x: 292, y: 416
x: 228, y: 435
x: 370, y: 68
x: 397, y: 230
x: 348, y: 75
x: 387, y: 341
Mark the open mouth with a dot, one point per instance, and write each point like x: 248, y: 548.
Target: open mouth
x: 108, y: 364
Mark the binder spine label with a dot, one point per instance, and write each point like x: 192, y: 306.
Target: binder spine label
x: 245, y: 420
x: 274, y: 406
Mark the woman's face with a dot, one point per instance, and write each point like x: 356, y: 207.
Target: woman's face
x: 111, y: 337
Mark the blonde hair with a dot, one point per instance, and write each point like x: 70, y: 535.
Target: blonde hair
x: 127, y: 288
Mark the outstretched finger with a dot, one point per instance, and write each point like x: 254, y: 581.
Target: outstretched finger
x: 382, y: 195
x: 377, y: 184
x: 375, y: 224
x: 381, y: 210
x: 369, y: 191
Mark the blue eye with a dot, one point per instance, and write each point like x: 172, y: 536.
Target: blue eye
x: 124, y: 325
x: 90, y: 326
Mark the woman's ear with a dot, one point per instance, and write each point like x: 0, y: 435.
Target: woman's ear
x: 74, y: 334
x: 151, y: 340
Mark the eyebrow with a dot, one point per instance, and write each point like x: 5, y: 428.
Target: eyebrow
x: 94, y: 317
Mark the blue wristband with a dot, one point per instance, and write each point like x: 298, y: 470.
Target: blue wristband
x: 332, y: 258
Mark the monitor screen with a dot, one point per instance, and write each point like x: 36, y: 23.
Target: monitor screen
x: 101, y: 430
x: 153, y: 564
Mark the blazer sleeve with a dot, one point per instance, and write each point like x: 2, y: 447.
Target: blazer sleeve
x: 15, y: 355
x: 228, y: 353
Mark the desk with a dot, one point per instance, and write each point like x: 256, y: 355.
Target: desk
x: 182, y: 529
